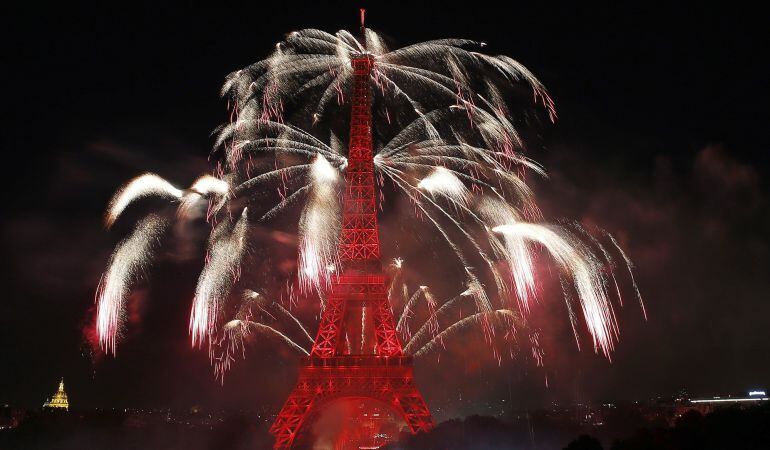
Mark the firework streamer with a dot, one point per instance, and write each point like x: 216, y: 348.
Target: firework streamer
x: 146, y: 185
x: 222, y: 269
x: 127, y: 264
x: 607, y: 257
x: 431, y: 326
x: 395, y: 266
x: 402, y: 326
x: 315, y: 65
x: 586, y: 273
x: 293, y: 319
x: 437, y: 342
x: 319, y: 227
x: 630, y: 268
x: 444, y: 182
x: 235, y: 334
x: 405, y: 187
x: 249, y: 300
x: 432, y: 321
x: 513, y: 249
x: 203, y: 187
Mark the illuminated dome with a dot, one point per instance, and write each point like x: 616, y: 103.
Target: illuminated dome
x: 59, y: 399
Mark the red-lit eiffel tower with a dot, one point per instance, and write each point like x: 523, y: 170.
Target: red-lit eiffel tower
x: 346, y: 360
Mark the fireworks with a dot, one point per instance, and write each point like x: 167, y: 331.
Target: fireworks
x: 314, y: 64
x: 436, y: 326
x: 319, y: 226
x: 142, y: 186
x: 443, y: 181
x: 445, y: 140
x: 582, y: 266
x: 227, y: 245
x: 202, y: 187
x: 126, y: 264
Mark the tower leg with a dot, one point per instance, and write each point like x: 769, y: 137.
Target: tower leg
x: 330, y: 329
x: 388, y: 343
x: 292, y: 416
x: 416, y: 412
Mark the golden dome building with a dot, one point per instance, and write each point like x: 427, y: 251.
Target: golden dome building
x: 59, y: 400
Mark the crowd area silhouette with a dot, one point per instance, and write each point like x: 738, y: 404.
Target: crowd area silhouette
x: 729, y: 428
x: 724, y: 429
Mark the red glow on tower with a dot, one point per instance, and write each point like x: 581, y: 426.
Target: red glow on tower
x: 346, y: 362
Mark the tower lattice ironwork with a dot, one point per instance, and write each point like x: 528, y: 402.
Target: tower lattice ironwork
x: 373, y: 366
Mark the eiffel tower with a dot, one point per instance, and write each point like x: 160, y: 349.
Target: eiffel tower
x: 374, y: 368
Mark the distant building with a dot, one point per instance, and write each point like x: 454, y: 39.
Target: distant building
x: 707, y: 405
x: 59, y: 400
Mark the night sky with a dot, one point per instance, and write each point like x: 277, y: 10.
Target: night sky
x: 662, y: 141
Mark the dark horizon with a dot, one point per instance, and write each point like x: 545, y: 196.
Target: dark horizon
x: 658, y: 141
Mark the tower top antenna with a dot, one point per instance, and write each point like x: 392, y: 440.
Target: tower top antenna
x: 363, y: 25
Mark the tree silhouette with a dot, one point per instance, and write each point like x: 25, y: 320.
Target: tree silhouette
x: 584, y: 442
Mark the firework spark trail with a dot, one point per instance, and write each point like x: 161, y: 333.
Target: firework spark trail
x: 399, y: 181
x: 251, y: 299
x: 586, y: 274
x: 428, y: 326
x: 459, y: 195
x: 287, y: 202
x: 524, y: 193
x: 432, y: 320
x: 461, y: 207
x: 444, y: 182
x: 406, y: 313
x: 267, y: 330
x: 412, y: 133
x: 293, y: 319
x: 207, y: 184
x: 515, y: 71
x: 396, y: 266
x: 566, y: 292
x: 250, y: 135
x: 262, y: 179
x: 202, y: 187
x: 142, y: 186
x: 319, y: 227
x: 231, y: 343
x: 607, y: 257
x: 226, y: 247
x: 513, y: 249
x: 437, y: 341
x: 129, y: 260
x: 312, y: 60
x: 482, y: 302
x: 301, y: 144
x: 438, y: 226
x: 404, y: 294
x: 629, y: 267
x: 537, y: 350
x: 232, y: 338
x: 420, y: 141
